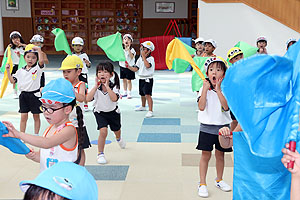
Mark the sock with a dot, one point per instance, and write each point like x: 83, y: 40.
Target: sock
x: 100, y: 153
x: 15, y: 91
x: 129, y: 92
x: 125, y: 92
x: 201, y: 184
x: 218, y: 180
x: 118, y: 139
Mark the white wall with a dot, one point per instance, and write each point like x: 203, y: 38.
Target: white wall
x: 228, y: 23
x: 24, y: 9
x: 181, y: 9
x: 1, y: 33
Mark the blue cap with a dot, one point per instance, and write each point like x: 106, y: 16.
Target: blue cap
x: 66, y: 179
x: 58, y: 91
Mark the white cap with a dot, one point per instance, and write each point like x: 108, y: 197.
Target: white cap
x: 212, y: 42
x: 129, y: 36
x: 199, y: 39
x: 212, y: 60
x: 77, y: 40
x: 290, y: 40
x: 37, y: 38
x: 14, y: 33
x: 261, y: 38
x: 149, y: 45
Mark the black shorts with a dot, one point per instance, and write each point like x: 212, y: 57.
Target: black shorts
x: 232, y: 116
x: 15, y: 69
x: 86, y: 140
x: 145, y: 86
x: 43, y: 80
x: 112, y: 118
x: 83, y: 77
x: 206, y: 142
x: 29, y: 102
x: 126, y: 73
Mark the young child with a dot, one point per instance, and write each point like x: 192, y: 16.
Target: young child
x: 214, y: 114
x: 199, y: 47
x: 261, y: 43
x: 295, y: 183
x: 29, y: 80
x: 38, y: 40
x: 77, y: 45
x: 209, y: 46
x: 290, y: 42
x: 125, y: 73
x: 71, y: 67
x: 106, y: 94
x: 17, y: 45
x: 146, y: 66
x: 60, y: 139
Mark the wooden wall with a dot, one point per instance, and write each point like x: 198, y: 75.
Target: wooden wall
x: 24, y: 27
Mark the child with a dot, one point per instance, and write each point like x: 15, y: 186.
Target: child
x: 60, y: 139
x: 261, y: 43
x: 125, y: 73
x: 106, y: 94
x: 17, y: 45
x: 71, y: 67
x: 199, y: 47
x: 38, y: 40
x: 295, y: 183
x: 146, y: 66
x: 77, y: 45
x: 213, y: 114
x: 290, y: 42
x: 29, y: 80
x: 209, y: 46
x: 65, y: 180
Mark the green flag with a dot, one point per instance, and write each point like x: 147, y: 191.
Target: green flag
x: 196, y: 80
x: 22, y: 62
x: 246, y: 48
x: 4, y: 61
x: 112, y: 46
x: 61, y: 42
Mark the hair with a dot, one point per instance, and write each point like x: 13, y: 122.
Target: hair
x: 14, y: 36
x: 35, y: 192
x: 129, y: 47
x: 110, y: 68
x: 223, y: 66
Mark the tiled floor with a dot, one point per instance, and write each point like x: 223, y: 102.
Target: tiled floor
x: 160, y: 161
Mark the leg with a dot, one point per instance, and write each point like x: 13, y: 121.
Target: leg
x: 37, y: 123
x: 150, y: 102
x: 24, y: 118
x: 219, y: 164
x: 203, y: 166
x: 143, y: 98
x: 101, y: 139
x: 129, y: 85
x: 118, y: 134
x: 125, y: 85
x: 82, y: 159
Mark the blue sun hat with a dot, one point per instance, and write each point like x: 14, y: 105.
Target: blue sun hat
x: 66, y: 179
x: 58, y: 91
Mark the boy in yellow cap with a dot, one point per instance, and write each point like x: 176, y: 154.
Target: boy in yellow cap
x: 72, y: 67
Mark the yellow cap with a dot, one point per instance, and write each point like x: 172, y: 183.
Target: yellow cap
x: 29, y: 47
x: 71, y: 62
x: 233, y: 52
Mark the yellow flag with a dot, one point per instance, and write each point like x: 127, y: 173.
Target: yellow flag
x: 176, y: 49
x: 5, y: 78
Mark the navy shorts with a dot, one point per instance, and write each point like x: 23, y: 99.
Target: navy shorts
x: 145, y: 86
x: 206, y: 141
x: 28, y: 102
x: 112, y: 118
x: 126, y: 73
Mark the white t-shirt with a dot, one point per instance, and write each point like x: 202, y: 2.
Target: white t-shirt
x: 128, y: 59
x: 213, y: 113
x: 29, y: 80
x: 145, y: 72
x: 14, y: 57
x: 84, y: 56
x: 73, y: 114
x: 102, y: 101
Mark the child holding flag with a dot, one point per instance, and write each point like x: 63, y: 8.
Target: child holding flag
x: 213, y: 114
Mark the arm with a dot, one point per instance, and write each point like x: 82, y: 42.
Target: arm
x: 41, y: 56
x: 134, y: 69
x: 45, y: 58
x: 112, y: 95
x: 32, y: 155
x: 221, y: 97
x: 202, y: 100
x: 91, y: 94
x: 127, y: 48
x: 10, y: 78
x: 87, y: 62
x: 144, y: 57
x: 80, y: 96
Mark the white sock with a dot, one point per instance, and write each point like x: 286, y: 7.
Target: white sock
x: 15, y: 91
x: 125, y: 92
x: 129, y: 93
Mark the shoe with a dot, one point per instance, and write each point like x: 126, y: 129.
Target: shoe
x: 124, y: 94
x: 129, y: 96
x: 202, y: 191
x: 122, y: 143
x: 222, y: 185
x: 149, y: 114
x: 101, y: 159
x: 85, y: 108
x: 140, y: 108
x: 15, y: 96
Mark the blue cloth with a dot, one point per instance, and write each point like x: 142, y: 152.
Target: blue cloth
x: 15, y: 145
x: 188, y: 41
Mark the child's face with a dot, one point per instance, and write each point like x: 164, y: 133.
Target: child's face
x: 71, y: 74
x: 145, y: 50
x: 261, y: 44
x: 236, y: 58
x: 54, y: 113
x: 39, y: 44
x: 127, y: 41
x: 209, y: 48
x: 104, y: 75
x: 30, y: 59
x: 215, y: 72
x: 16, y: 41
x: 198, y: 46
x: 77, y: 48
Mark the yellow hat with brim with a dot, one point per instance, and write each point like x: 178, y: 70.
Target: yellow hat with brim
x: 233, y: 52
x: 71, y: 62
x: 29, y: 49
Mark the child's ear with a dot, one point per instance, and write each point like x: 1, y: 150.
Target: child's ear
x: 68, y: 109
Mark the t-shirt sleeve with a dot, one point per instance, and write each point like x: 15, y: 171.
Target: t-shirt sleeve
x: 116, y: 91
x: 151, y: 61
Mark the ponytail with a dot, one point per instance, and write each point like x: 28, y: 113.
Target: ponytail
x: 116, y: 80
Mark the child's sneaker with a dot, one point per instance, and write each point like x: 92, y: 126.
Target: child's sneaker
x: 149, y: 114
x: 101, y: 159
x: 202, y: 191
x: 129, y: 96
x: 222, y: 185
x: 124, y: 94
x: 140, y: 108
x: 85, y: 108
x: 122, y: 143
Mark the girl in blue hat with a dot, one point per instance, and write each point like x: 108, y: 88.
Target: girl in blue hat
x: 60, y: 140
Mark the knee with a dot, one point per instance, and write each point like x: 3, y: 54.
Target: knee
x: 219, y: 156
x: 36, y: 116
x: 206, y: 155
x: 103, y: 132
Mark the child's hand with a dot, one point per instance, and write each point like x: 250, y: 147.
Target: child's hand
x: 7, y: 67
x: 206, y: 85
x: 31, y: 155
x: 106, y: 84
x: 10, y: 45
x: 86, y: 61
x: 35, y: 48
x: 12, y: 132
x: 225, y: 131
x: 291, y: 156
x: 218, y: 84
x: 127, y: 47
x: 18, y: 53
x: 97, y: 81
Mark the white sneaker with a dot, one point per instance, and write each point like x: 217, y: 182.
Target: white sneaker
x: 202, y: 191
x: 140, y: 108
x: 129, y: 96
x: 149, y: 114
x: 85, y: 108
x: 122, y: 143
x: 124, y: 94
x: 101, y: 159
x: 15, y: 96
x: 222, y: 185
